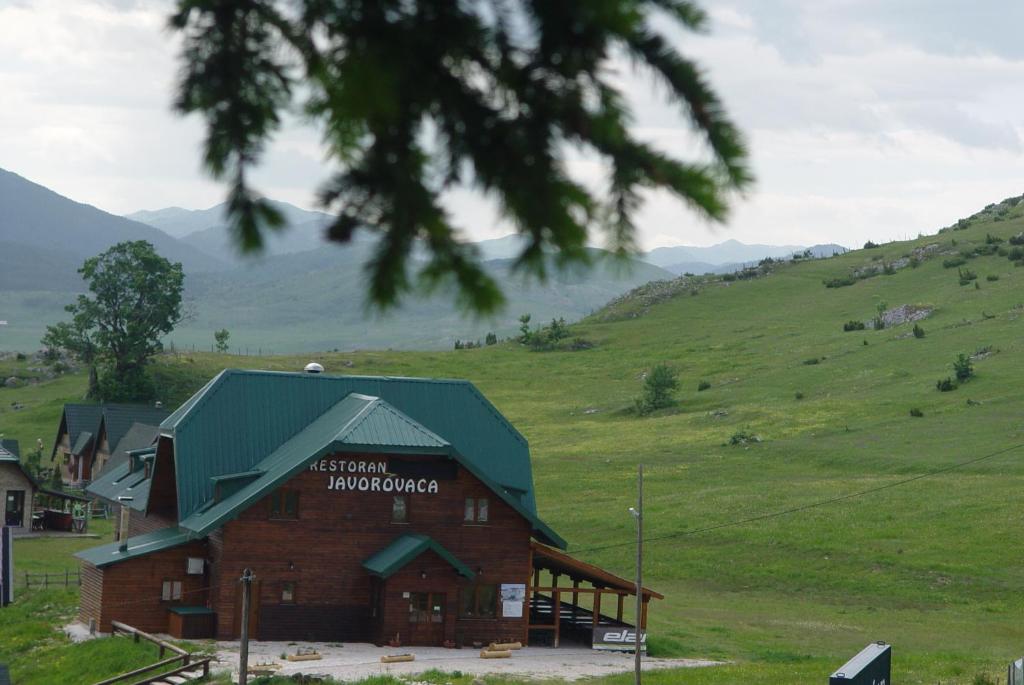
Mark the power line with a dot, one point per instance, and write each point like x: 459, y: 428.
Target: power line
x: 805, y: 507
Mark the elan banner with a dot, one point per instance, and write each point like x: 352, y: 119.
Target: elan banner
x: 618, y: 639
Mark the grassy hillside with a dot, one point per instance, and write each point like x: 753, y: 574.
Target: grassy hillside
x: 931, y: 565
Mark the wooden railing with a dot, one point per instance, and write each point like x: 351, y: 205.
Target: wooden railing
x: 182, y: 658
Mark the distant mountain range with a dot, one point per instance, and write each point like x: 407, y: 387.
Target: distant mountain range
x: 727, y: 256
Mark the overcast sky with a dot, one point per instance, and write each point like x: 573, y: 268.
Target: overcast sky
x: 866, y: 119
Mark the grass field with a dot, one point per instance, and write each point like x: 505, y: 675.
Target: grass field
x: 932, y: 566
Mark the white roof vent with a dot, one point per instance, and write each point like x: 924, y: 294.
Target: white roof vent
x: 313, y: 367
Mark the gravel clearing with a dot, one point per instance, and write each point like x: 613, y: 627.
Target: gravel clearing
x: 353, y: 661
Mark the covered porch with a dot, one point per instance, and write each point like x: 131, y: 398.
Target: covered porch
x: 571, y: 600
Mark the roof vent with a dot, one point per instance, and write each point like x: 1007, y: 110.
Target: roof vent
x: 158, y: 404
x: 313, y: 367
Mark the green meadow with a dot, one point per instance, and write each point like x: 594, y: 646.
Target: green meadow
x: 929, y: 562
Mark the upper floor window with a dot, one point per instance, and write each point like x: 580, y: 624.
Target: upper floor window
x: 400, y: 509
x: 476, y: 510
x: 284, y: 505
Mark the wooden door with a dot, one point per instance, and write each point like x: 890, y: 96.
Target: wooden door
x: 426, y: 618
x: 254, y: 610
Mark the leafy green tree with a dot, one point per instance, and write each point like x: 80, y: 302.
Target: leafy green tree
x: 416, y: 97
x: 134, y: 300
x: 221, y: 340
x: 660, y: 387
x: 77, y: 338
x: 491, y: 339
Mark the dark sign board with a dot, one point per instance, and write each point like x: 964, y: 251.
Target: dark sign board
x: 618, y: 639
x: 872, y: 666
x: 6, y: 566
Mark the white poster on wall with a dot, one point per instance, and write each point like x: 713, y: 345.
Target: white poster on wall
x: 513, y: 595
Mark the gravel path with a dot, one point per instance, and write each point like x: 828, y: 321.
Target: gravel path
x: 353, y: 661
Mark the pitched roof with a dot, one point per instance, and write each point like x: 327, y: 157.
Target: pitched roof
x: 9, y: 457
x: 81, y: 417
x: 404, y: 549
x: 82, y: 443
x: 11, y: 446
x: 241, y: 417
x: 138, y: 546
x: 358, y: 423
x: 119, y: 418
x: 139, y: 436
x: 120, y: 481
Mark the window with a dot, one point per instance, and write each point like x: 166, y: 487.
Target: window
x: 476, y: 510
x: 478, y: 601
x: 284, y: 505
x: 400, y: 509
x: 14, y: 508
x: 171, y: 591
x: 288, y: 592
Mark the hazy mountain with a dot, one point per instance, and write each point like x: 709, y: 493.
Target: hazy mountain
x: 729, y: 252
x: 207, y: 230
x: 65, y: 232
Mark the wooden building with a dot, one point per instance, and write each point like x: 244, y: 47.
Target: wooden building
x: 89, y: 434
x: 17, y: 489
x: 387, y: 510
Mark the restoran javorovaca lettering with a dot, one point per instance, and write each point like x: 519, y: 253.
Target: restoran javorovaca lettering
x: 376, y: 480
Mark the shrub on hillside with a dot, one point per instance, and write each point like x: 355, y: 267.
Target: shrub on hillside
x: 491, y: 339
x: 991, y: 278
x: 1016, y: 254
x: 1017, y: 239
x: 812, y: 361
x: 703, y: 385
x: 916, y: 413
x: 744, y: 438
x: 840, y: 282
x: 966, y: 276
x: 992, y: 239
x: 963, y: 367
x: 660, y: 387
x: 918, y: 331
x: 953, y: 262
x: 870, y: 245
x: 853, y: 326
x: 945, y: 385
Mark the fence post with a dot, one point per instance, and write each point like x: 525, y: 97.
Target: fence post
x: 66, y: 578
x: 27, y: 583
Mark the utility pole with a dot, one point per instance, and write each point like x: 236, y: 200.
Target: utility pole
x: 638, y: 514
x: 243, y: 652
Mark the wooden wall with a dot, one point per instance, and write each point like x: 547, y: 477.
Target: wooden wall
x: 322, y: 553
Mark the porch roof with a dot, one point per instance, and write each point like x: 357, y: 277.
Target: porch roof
x: 550, y: 559
x: 403, y: 549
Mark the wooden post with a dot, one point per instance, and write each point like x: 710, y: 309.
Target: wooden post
x: 557, y: 604
x: 597, y: 607
x: 618, y: 614
x: 529, y: 599
x: 243, y: 652
x: 575, y: 597
x: 643, y: 618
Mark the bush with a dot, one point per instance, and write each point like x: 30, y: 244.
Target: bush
x: 869, y: 245
x: 992, y: 239
x: 841, y: 282
x: 491, y: 339
x: 945, y: 385
x: 916, y: 413
x: 812, y: 361
x: 798, y: 395
x: 888, y: 269
x: 966, y: 276
x: 962, y: 367
x: 853, y: 326
x: 660, y: 387
x: 1015, y: 254
x: 728, y: 277
x: 20, y: 356
x: 1017, y: 239
x: 580, y: 344
x: 703, y: 385
x: 953, y: 262
x: 918, y: 331
x: 992, y: 278
x: 743, y: 438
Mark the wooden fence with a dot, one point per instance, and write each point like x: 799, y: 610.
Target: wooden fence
x: 65, y: 578
x: 183, y: 668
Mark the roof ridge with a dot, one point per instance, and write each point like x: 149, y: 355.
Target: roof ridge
x: 380, y: 403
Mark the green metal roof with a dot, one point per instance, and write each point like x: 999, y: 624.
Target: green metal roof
x: 358, y: 423
x: 118, y: 419
x: 78, y: 418
x: 404, y: 549
x: 139, y: 436
x: 116, y: 481
x: 83, y: 442
x: 11, y: 446
x: 138, y: 546
x: 240, y: 417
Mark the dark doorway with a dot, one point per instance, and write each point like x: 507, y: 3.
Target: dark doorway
x: 14, y: 508
x: 426, y: 618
